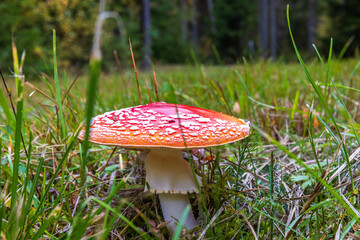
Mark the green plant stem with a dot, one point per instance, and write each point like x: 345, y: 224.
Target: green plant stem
x: 94, y: 75
x: 57, y: 86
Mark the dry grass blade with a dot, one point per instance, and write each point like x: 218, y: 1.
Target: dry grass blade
x: 12, y: 104
x: 137, y: 79
x: 350, y: 205
x: 40, y: 91
x: 102, y: 168
x: 155, y: 84
x: 72, y: 84
x: 347, y: 183
x: 250, y: 226
x: 217, y: 214
x: 48, y: 97
x: 117, y: 61
x: 352, y: 157
x: 8, y: 92
x: 318, y: 187
x: 147, y: 87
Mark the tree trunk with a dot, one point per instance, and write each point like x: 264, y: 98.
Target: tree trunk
x: 263, y: 27
x: 146, y: 32
x: 194, y: 28
x: 210, y: 6
x: 311, y: 25
x: 183, y: 21
x: 273, y: 29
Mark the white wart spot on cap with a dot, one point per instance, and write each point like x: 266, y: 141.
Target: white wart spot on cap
x: 170, y: 130
x: 152, y: 132
x: 220, y: 121
x: 134, y: 122
x: 108, y: 120
x: 203, y: 120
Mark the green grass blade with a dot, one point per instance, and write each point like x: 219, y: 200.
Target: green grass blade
x: 7, y: 111
x: 34, y: 185
x: 120, y: 215
x: 221, y: 95
x: 19, y: 119
x: 58, y: 94
x: 295, y: 105
x: 271, y: 194
x: 46, y: 224
x: 347, y: 229
x: 94, y: 76
x: 311, y: 134
x: 2, y: 198
x: 28, y: 164
x: 2, y: 210
x: 279, y: 222
x: 319, y: 94
x: 348, y: 116
x: 340, y: 86
x: 346, y: 46
x: 353, y: 72
x: 181, y: 223
x: 197, y: 65
x: 329, y: 66
x: 248, y: 95
x: 316, y: 206
x: 309, y: 77
x: 54, y: 176
x: 311, y: 172
x: 217, y: 55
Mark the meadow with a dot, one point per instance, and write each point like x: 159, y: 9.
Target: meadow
x: 295, y: 177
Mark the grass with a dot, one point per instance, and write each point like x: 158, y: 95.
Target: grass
x: 258, y: 186
x: 296, y: 177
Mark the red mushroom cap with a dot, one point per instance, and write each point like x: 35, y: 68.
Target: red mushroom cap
x: 165, y: 125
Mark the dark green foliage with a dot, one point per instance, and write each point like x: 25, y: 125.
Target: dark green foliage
x: 236, y: 24
x: 15, y: 22
x: 31, y: 22
x: 114, y: 39
x: 344, y: 26
x: 166, y: 35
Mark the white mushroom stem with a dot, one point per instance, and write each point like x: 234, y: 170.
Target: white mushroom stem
x: 171, y: 176
x: 173, y: 206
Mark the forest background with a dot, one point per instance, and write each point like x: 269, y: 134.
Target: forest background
x: 175, y: 31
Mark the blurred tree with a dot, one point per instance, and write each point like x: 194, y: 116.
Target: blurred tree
x: 272, y: 17
x: 311, y: 25
x: 343, y: 27
x: 31, y: 23
x: 273, y: 29
x: 194, y: 25
x: 235, y: 28
x: 298, y: 20
x: 168, y: 45
x: 235, y: 24
x: 27, y: 34
x: 146, y: 26
x: 263, y: 27
x: 131, y: 14
x: 210, y: 6
x: 183, y: 15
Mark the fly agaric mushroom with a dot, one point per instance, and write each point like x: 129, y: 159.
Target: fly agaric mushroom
x: 164, y: 130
